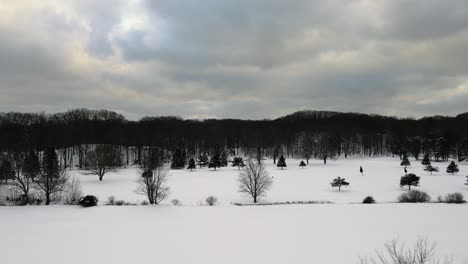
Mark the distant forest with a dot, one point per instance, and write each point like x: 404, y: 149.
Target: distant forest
x: 306, y: 135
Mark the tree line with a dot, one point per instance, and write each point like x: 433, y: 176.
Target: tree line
x: 77, y: 133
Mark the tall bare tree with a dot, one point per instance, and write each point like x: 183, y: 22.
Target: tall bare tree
x: 103, y: 159
x: 254, y: 180
x: 152, y: 184
x: 26, y: 169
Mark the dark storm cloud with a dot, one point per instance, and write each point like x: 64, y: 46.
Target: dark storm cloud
x: 247, y: 59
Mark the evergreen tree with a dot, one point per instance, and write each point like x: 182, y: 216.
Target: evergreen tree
x: 32, y: 166
x: 302, y: 164
x: 361, y: 170
x: 223, y: 159
x: 409, y: 180
x: 426, y: 160
x: 52, y: 178
x: 431, y: 169
x: 178, y: 160
x: 191, y: 164
x: 281, y: 162
x: 452, y: 168
x: 215, y: 161
x: 238, y: 161
x: 6, y: 171
x: 339, y: 182
x: 405, y: 161
x: 203, y: 160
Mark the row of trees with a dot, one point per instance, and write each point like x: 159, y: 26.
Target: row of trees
x: 307, y: 135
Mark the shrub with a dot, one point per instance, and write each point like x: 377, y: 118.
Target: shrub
x: 73, y: 192
x: 119, y: 202
x: 211, y: 200
x: 88, y: 201
x: 175, y: 202
x: 454, y: 198
x: 368, y: 200
x: 110, y: 200
x: 414, y: 197
x: 144, y: 202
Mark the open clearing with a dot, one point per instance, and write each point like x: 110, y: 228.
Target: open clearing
x: 320, y: 233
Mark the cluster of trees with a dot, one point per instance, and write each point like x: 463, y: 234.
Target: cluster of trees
x: 306, y: 134
x: 29, y: 173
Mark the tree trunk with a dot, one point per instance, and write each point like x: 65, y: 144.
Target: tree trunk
x: 325, y: 160
x: 100, y: 177
x: 255, y: 199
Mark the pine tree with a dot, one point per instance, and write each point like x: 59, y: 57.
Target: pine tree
x: 452, y: 168
x: 32, y: 166
x: 191, y: 164
x: 6, y: 171
x: 238, y: 162
x: 426, y: 160
x: 339, y: 182
x: 361, y: 170
x: 215, y: 161
x: 203, y: 160
x: 281, y: 162
x: 52, y: 178
x: 405, y: 161
x: 409, y: 180
x: 302, y: 164
x: 431, y: 169
x: 178, y: 160
x: 223, y: 159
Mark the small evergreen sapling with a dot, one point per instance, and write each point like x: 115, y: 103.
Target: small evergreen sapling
x: 452, y: 168
x: 215, y: 162
x: 238, y: 162
x: 409, y: 180
x: 281, y: 162
x: 339, y: 182
x: 203, y: 160
x: 302, y: 164
x: 191, y: 165
x: 431, y: 169
x: 426, y: 160
x: 223, y: 159
x: 178, y: 160
x: 405, y: 162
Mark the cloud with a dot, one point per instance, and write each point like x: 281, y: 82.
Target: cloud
x: 238, y: 59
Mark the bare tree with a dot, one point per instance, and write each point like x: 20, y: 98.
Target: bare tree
x: 395, y: 253
x: 104, y: 159
x: 254, y: 180
x: 152, y: 184
x: 23, y: 176
x: 73, y: 191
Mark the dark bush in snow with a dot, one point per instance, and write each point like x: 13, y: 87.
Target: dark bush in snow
x: 88, y: 201
x: 211, y: 200
x: 414, y: 197
x: 368, y: 200
x: 144, y: 202
x: 110, y: 200
x: 119, y: 202
x: 454, y: 198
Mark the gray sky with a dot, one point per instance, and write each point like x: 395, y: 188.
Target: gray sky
x: 239, y: 58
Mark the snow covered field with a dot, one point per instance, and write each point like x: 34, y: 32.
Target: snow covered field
x: 381, y: 180
x: 321, y: 233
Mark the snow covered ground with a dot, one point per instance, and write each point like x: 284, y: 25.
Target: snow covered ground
x: 319, y: 233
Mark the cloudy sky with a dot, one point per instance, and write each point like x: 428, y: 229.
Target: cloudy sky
x: 238, y: 58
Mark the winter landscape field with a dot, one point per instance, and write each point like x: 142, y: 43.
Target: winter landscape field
x: 340, y: 232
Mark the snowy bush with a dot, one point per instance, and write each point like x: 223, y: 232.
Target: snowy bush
x: 110, y: 200
x: 211, y: 200
x: 175, y: 202
x: 144, y: 202
x: 454, y: 198
x: 414, y: 197
x: 119, y: 202
x: 88, y: 201
x: 368, y: 200
x: 399, y: 253
x: 73, y: 192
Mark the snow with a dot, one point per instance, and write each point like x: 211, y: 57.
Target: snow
x: 381, y: 180
x: 224, y: 234
x: 317, y: 233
